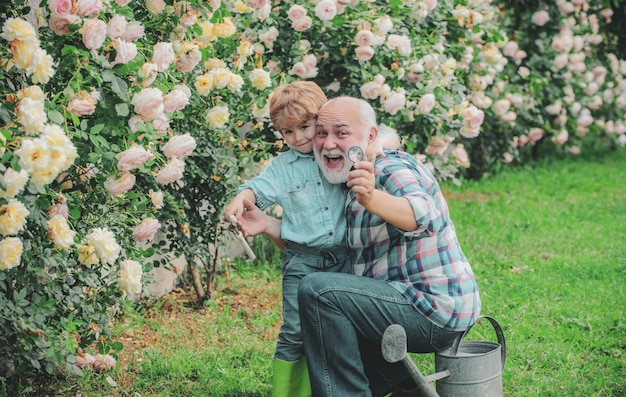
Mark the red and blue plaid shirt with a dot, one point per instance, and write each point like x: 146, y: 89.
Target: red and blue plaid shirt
x: 426, y: 265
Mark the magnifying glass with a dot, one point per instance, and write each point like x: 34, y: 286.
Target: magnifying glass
x: 355, y: 154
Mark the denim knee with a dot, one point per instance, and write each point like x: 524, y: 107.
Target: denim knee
x: 310, y: 286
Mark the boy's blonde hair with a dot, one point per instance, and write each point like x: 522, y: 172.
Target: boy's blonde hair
x: 295, y: 103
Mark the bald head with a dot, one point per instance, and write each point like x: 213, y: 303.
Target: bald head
x: 354, y: 109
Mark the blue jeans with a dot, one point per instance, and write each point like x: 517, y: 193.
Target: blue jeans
x: 343, y: 319
x: 298, y: 261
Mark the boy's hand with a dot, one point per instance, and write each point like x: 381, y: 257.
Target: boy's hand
x: 373, y: 150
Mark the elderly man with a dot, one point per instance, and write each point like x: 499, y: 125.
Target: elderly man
x: 409, y: 268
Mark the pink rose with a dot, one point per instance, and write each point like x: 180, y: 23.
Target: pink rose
x: 510, y: 48
x: 94, y: 32
x: 540, y: 18
x: 364, y: 38
x: 565, y: 7
x: 296, y: 12
x: 326, y: 10
x: 119, y: 186
x: 299, y: 69
x: 508, y: 117
x: 163, y: 55
x: 171, y: 172
x: 116, y: 26
x: 125, y: 52
x: 175, y: 100
x: 394, y: 103
x: 426, y: 103
x: 60, y: 7
x: 147, y: 74
x: 575, y: 150
x: 535, y: 134
x: 60, y: 23
x: 146, y: 230
x: 438, y: 146
x: 256, y: 4
x: 472, y: 120
x: 585, y: 118
x: 302, y: 24
x: 473, y: 117
x: 560, y: 61
x: 88, y: 7
x: 156, y: 198
x: 561, y: 138
x: 268, y: 38
x: 123, y: 3
x: 148, y: 103
x: 179, y: 146
x: 461, y: 156
x: 133, y: 158
x: 189, y: 59
x: 134, y: 30
x: 364, y: 53
x: 273, y: 66
x: 59, y: 209
x: 161, y: 124
x: 430, y: 4
x: 501, y: 107
x: 81, y: 105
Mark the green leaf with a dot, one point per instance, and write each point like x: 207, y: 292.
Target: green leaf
x: 119, y: 87
x: 56, y: 117
x: 99, y: 140
x: 122, y: 109
x: 96, y: 129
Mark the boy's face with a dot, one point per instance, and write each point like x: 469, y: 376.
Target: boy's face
x: 300, y: 136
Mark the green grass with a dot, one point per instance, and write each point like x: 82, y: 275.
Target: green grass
x: 547, y: 245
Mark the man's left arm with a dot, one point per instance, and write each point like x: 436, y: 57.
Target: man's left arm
x: 396, y: 210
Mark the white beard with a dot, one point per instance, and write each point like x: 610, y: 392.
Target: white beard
x: 334, y: 176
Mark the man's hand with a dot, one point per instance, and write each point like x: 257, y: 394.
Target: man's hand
x: 393, y: 209
x: 237, y: 207
x: 252, y: 220
x: 362, y: 182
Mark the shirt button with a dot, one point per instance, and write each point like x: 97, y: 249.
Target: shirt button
x: 330, y: 234
x: 325, y: 208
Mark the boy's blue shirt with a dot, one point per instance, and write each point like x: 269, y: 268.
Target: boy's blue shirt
x: 312, y: 207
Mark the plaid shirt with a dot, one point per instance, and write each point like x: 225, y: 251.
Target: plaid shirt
x: 426, y: 265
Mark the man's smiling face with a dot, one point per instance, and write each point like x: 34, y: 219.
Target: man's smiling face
x: 338, y: 128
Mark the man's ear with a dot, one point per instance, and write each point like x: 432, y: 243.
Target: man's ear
x: 373, y: 134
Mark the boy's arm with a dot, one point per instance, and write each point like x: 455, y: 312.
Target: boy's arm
x: 384, y: 140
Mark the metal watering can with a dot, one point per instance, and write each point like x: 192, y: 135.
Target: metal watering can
x: 467, y: 369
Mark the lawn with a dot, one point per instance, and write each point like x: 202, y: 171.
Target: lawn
x: 547, y: 245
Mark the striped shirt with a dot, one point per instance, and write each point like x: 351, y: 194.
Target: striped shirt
x: 427, y: 264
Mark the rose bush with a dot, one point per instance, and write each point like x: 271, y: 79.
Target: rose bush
x: 563, y: 89
x: 126, y: 125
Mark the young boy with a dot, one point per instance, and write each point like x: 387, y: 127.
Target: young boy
x: 313, y: 222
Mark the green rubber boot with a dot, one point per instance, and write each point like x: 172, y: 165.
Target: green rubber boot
x: 290, y: 379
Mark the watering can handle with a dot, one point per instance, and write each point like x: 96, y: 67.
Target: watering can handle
x: 455, y: 346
